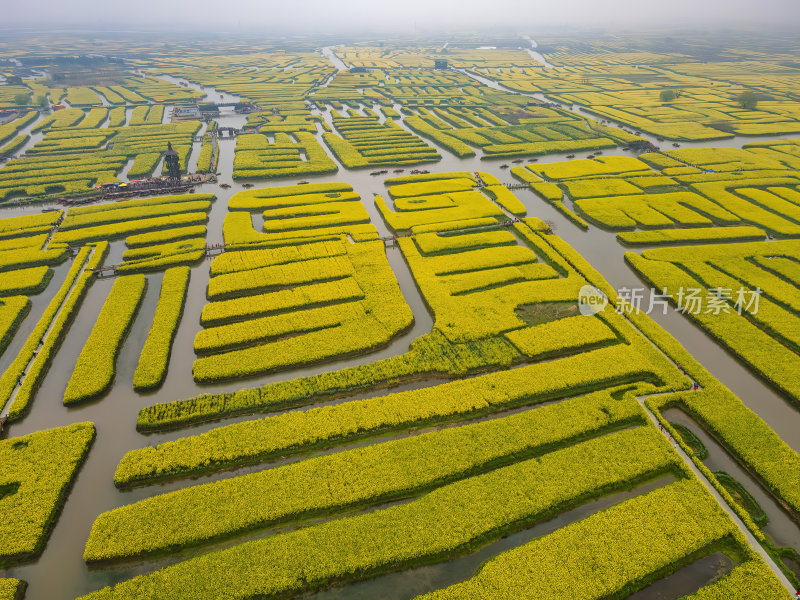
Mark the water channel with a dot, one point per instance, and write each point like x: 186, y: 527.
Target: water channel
x: 61, y: 574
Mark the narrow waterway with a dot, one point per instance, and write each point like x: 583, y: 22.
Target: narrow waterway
x: 330, y: 54
x: 409, y: 584
x: 535, y: 53
x: 60, y: 574
x: 781, y: 529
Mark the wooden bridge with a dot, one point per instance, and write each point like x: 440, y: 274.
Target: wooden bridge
x: 241, y: 105
x: 215, y: 249
x: 103, y: 272
x: 389, y: 241
x: 232, y: 132
x: 113, y: 270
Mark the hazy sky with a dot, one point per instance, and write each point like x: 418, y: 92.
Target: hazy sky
x: 402, y: 16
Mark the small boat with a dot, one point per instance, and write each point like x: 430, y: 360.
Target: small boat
x: 676, y: 144
x: 247, y: 186
x: 225, y: 186
x: 519, y: 160
x: 533, y: 159
x: 374, y: 173
x: 570, y: 156
x: 503, y: 166
x: 303, y: 183
x: 398, y: 170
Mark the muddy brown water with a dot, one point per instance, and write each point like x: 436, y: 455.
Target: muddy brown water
x: 60, y: 573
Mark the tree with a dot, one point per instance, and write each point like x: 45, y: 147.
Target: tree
x: 21, y: 99
x: 14, y: 80
x: 667, y: 95
x: 725, y: 126
x: 40, y: 100
x: 748, y: 100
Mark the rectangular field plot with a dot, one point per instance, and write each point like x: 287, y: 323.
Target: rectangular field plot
x: 297, y: 214
x: 342, y: 301
x: 365, y: 142
x: 389, y: 371
x: 161, y: 232
x: 513, y: 132
x: 741, y: 192
x: 38, y: 470
x: 257, y: 157
x: 763, y: 329
x: 528, y: 491
x: 704, y: 103
x: 72, y: 161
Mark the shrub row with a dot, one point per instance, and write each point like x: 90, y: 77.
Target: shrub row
x: 153, y: 361
x: 12, y: 310
x: 356, y: 477
x: 94, y: 371
x: 446, y: 521
x: 255, y: 441
x: 59, y: 312
x: 615, y: 552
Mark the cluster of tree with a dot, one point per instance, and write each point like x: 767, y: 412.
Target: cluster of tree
x: 25, y: 100
x: 669, y: 95
x: 748, y: 100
